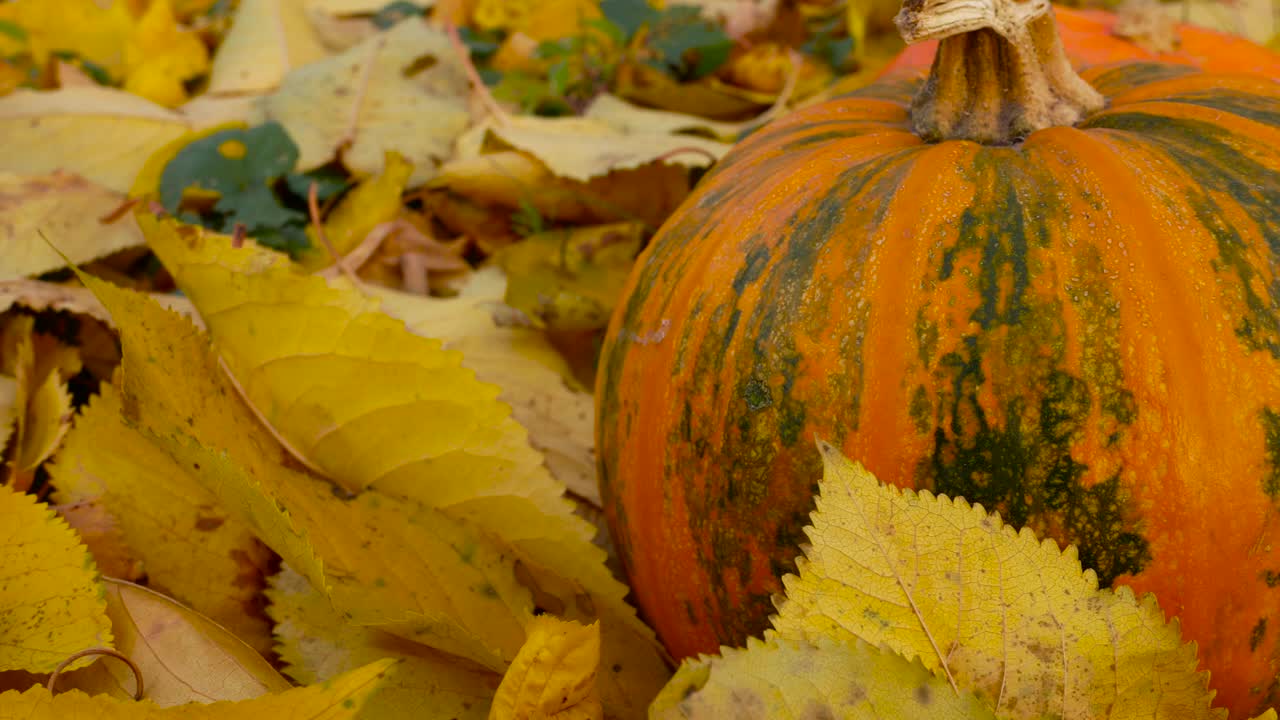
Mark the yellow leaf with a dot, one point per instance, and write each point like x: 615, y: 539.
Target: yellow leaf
x: 583, y: 148
x: 316, y: 643
x: 340, y: 699
x: 634, y: 119
x: 554, y: 676
x: 268, y: 39
x: 183, y: 656
x: 39, y: 295
x: 42, y: 400
x: 826, y: 679
x: 996, y: 612
x: 67, y: 210
x: 375, y: 98
x: 100, y: 533
x: 93, y: 32
x: 8, y: 407
x: 384, y: 561
x: 535, y: 379
x: 51, y: 601
x: 371, y: 203
x: 101, y: 134
x: 373, y: 405
x: 570, y: 279
x: 160, y: 57
x: 188, y: 545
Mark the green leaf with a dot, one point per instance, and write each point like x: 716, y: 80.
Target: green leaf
x: 241, y: 166
x: 629, y: 15
x: 329, y: 181
x: 12, y: 30
x: 689, y: 45
x: 482, y: 44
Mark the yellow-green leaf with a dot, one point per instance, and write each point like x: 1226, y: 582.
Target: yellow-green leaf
x: 316, y: 643
x: 51, y: 600
x: 825, y: 679
x: 39, y: 213
x: 182, y: 655
x: 554, y: 676
x: 340, y: 699
x: 997, y: 612
x: 189, y: 546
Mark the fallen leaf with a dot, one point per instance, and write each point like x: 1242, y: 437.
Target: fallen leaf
x: 183, y: 656
x: 583, y: 148
x: 554, y: 676
x: 188, y: 545
x: 41, y: 366
x: 39, y: 295
x: 382, y: 560
x: 211, y: 111
x: 634, y: 119
x: 42, y: 216
x: 92, y: 31
x: 51, y: 599
x: 160, y: 56
x: 420, y: 428
x: 340, y: 699
x: 570, y: 279
x: 824, y: 679
x: 8, y: 407
x: 999, y: 613
x: 100, y: 134
x: 268, y: 39
x: 374, y: 201
x: 534, y: 377
x: 372, y: 99
x: 316, y: 643
x: 100, y: 533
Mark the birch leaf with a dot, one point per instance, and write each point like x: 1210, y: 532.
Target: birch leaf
x: 372, y: 405
x: 101, y: 134
x: 184, y: 656
x: 62, y: 209
x: 1004, y: 615
x: 383, y: 560
x: 316, y: 643
x: 268, y: 39
x: 189, y: 546
x: 51, y: 600
x: 372, y: 99
x: 554, y: 676
x: 340, y: 699
x: 795, y: 679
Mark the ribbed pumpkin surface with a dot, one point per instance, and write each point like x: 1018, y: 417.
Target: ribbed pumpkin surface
x: 1081, y: 331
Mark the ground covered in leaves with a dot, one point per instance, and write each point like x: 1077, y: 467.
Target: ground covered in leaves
x: 300, y: 302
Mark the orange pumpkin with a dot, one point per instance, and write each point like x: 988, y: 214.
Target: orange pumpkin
x: 1062, y: 302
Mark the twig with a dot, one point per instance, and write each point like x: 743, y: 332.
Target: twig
x: 473, y: 76
x: 313, y: 207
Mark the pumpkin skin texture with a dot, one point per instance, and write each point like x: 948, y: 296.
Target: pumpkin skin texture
x: 1080, y: 331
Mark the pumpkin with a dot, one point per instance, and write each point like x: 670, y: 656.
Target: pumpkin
x: 1055, y: 295
x: 1090, y: 38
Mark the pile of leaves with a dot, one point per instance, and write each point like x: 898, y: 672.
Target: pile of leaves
x: 299, y: 302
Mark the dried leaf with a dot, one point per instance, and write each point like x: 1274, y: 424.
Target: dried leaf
x: 189, y: 546
x: 554, y: 676
x: 535, y: 379
x: 100, y: 532
x: 419, y: 427
x: 374, y: 201
x: 268, y: 39
x: 100, y: 134
x: 583, y: 148
x: 8, y: 407
x: 634, y: 119
x: 373, y: 99
x: 40, y: 366
x: 62, y: 211
x: 826, y: 679
x: 39, y: 295
x: 341, y: 699
x: 51, y: 599
x: 382, y: 560
x: 1004, y: 615
x: 183, y: 656
x: 316, y: 643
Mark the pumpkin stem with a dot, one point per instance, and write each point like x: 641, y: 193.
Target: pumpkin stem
x: 1000, y: 73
